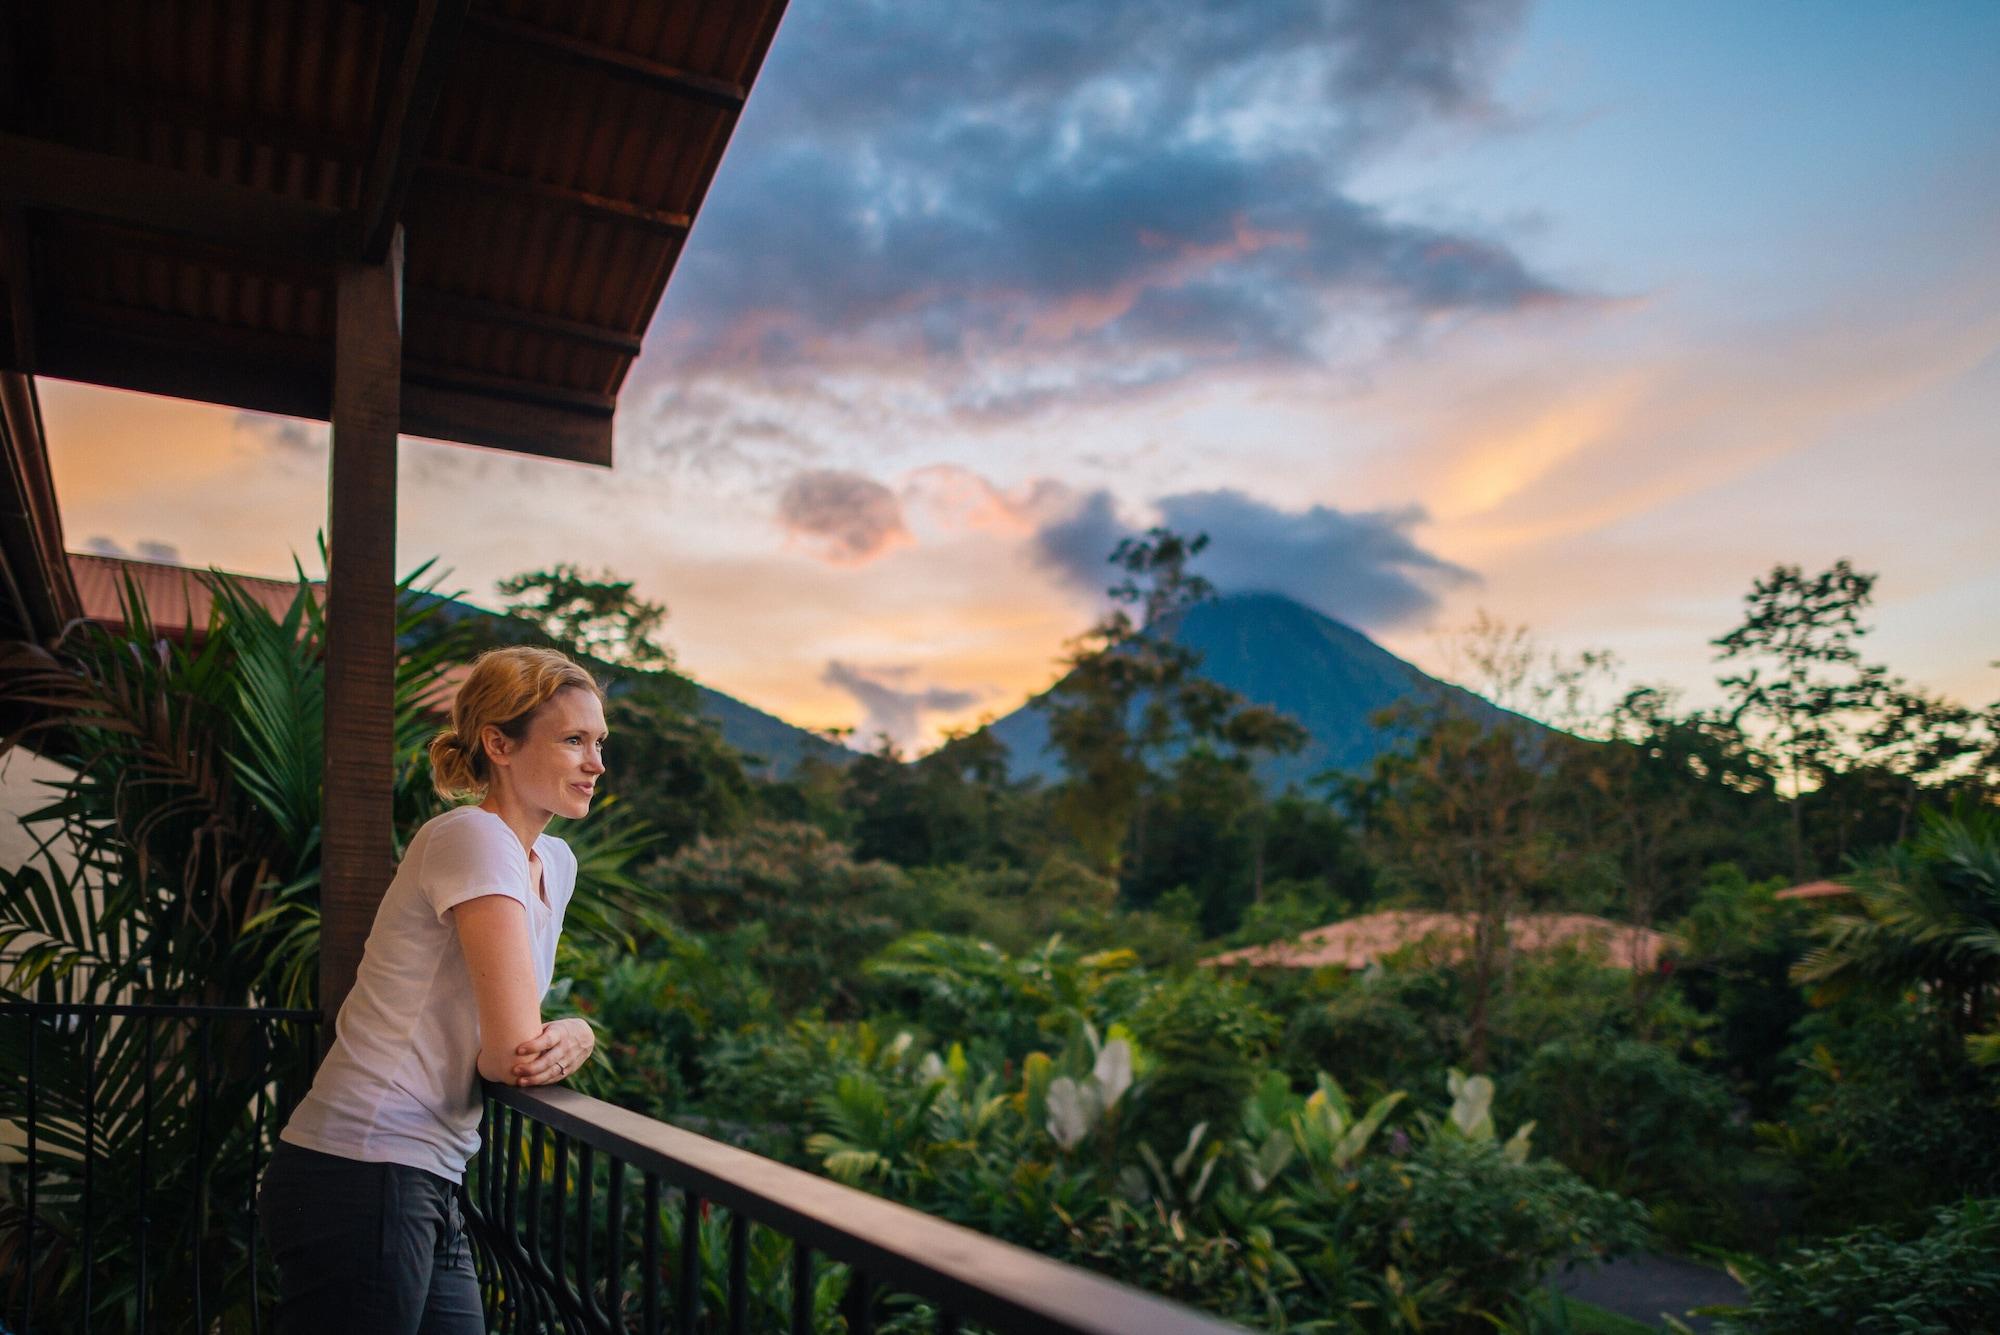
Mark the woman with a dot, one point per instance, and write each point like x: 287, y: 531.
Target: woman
x: 359, y: 1205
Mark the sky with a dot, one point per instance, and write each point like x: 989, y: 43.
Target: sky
x: 1580, y: 315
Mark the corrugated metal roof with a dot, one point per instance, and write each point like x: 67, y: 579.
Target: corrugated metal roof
x: 176, y: 597
x: 569, y: 148
x: 1359, y: 942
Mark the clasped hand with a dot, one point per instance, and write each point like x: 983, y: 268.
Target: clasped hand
x: 555, y: 1053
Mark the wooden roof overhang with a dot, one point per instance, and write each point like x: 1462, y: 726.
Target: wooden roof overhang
x: 444, y: 218
x: 38, y: 597
x: 180, y: 178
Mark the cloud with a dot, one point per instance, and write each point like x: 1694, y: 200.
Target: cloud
x: 1039, y: 201
x: 146, y: 549
x: 1361, y: 567
x: 848, y: 518
x: 1417, y: 56
x: 957, y: 498
x: 890, y: 705
x: 1078, y: 545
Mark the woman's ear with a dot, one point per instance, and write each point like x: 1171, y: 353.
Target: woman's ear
x: 495, y: 744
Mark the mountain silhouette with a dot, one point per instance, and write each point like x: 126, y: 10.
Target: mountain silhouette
x: 774, y: 747
x: 1275, y: 651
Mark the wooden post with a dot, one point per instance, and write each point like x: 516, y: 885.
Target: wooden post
x: 357, y: 856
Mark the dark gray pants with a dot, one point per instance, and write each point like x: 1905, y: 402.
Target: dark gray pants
x: 375, y: 1247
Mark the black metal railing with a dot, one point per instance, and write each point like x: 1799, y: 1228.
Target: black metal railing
x: 142, y: 1130
x: 593, y: 1220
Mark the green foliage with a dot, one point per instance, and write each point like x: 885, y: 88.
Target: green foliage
x: 1883, y: 1121
x: 1130, y: 696
x: 970, y: 991
x: 1928, y: 916
x: 1208, y: 1042
x: 180, y: 864
x: 816, y: 911
x: 951, y: 806
x: 659, y: 1007
x: 1873, y: 1282
x: 1368, y: 1033
x: 1738, y: 945
x: 1627, y: 1115
x: 1291, y: 1210
x: 597, y: 616
x: 1461, y: 816
x: 670, y: 767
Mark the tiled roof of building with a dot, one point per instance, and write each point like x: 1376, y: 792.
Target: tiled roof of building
x: 1814, y: 890
x: 1359, y: 942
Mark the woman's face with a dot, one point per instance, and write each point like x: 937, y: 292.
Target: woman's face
x: 555, y: 768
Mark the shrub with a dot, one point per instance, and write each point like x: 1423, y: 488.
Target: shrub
x: 1629, y: 1116
x: 1369, y: 1035
x: 658, y: 1007
x: 1946, y: 1279
x: 821, y: 911
x: 1447, y: 1229
x: 1885, y: 1122
x: 1207, y: 1040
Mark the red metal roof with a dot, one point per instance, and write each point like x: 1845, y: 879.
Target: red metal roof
x: 1359, y: 942
x: 176, y: 597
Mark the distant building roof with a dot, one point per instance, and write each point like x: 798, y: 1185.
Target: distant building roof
x: 1359, y: 942
x: 176, y: 596
x: 1814, y: 890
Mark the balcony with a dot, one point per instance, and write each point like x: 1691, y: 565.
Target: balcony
x: 139, y: 1133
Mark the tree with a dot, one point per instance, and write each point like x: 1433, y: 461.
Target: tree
x: 1459, y: 815
x: 669, y: 766
x: 1509, y: 666
x: 952, y: 805
x: 1800, y: 681
x: 597, y: 616
x: 1132, y: 695
x: 814, y: 912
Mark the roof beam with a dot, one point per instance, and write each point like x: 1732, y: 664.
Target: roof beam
x: 580, y: 202
x: 609, y: 59
x: 440, y: 412
x: 558, y: 397
x: 38, y: 174
x: 411, y: 102
x: 423, y: 303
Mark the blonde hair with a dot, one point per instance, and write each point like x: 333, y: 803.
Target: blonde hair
x: 504, y: 689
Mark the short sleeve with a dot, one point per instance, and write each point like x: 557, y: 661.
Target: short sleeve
x: 465, y: 858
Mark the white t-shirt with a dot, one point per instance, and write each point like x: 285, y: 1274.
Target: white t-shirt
x: 401, y: 1081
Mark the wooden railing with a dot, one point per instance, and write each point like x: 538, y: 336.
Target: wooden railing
x: 591, y: 1218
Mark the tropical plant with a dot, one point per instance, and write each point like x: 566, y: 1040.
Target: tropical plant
x: 178, y: 863
x: 1927, y: 915
x: 1875, y: 1282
